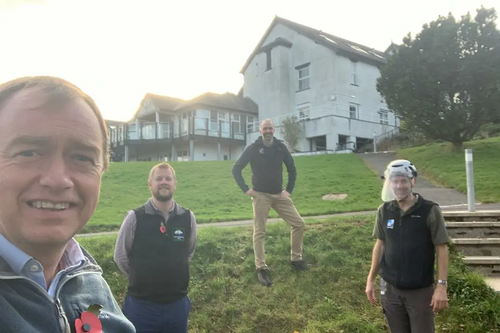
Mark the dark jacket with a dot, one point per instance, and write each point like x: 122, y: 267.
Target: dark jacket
x: 267, y: 167
x: 159, y: 258
x: 409, y: 256
x: 26, y: 307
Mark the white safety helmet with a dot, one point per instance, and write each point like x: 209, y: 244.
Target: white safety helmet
x: 400, y: 168
x: 396, y: 168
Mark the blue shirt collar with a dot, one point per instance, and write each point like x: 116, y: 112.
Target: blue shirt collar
x: 24, y: 265
x: 16, y: 258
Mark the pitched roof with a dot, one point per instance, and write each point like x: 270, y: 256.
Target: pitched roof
x: 165, y: 102
x: 230, y: 101
x: 332, y: 42
x: 226, y: 101
x: 391, y: 48
x: 110, y: 122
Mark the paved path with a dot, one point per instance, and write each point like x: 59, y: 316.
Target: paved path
x: 448, y: 199
x: 241, y: 223
x: 443, y: 196
x: 244, y: 222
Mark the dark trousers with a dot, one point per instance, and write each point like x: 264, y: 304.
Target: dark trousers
x: 149, y: 317
x: 408, y: 311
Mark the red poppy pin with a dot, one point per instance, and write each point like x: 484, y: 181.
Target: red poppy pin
x: 163, y: 228
x: 89, y: 320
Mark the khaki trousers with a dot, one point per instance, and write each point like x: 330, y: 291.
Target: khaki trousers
x: 262, y: 203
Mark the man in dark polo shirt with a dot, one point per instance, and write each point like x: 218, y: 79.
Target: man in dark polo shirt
x: 153, y: 249
x: 266, y: 157
x: 410, y: 231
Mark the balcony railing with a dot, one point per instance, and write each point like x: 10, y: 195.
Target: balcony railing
x: 176, y: 129
x: 332, y: 110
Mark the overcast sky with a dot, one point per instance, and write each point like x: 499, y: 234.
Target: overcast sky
x: 117, y: 51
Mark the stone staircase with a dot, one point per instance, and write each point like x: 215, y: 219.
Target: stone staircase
x: 477, y: 235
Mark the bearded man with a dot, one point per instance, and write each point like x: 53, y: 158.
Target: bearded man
x: 154, y: 246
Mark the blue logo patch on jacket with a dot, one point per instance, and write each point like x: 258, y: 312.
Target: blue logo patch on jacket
x: 390, y: 224
x: 178, y: 235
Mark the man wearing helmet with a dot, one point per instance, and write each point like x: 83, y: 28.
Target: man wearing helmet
x: 410, y: 231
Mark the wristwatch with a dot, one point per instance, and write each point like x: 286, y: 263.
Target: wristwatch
x: 443, y: 282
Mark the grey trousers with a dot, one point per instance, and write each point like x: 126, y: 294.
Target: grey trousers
x: 408, y: 311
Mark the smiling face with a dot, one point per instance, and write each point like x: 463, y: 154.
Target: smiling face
x: 267, y: 130
x: 401, y: 186
x: 51, y: 163
x: 162, y: 183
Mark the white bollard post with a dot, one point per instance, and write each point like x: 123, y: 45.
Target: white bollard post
x: 126, y: 157
x: 471, y: 201
x: 374, y: 142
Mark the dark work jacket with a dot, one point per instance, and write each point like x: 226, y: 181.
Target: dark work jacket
x: 267, y: 167
x: 409, y: 256
x: 159, y: 261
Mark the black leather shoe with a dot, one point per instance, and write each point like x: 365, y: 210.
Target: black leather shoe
x: 264, y: 276
x: 300, y: 265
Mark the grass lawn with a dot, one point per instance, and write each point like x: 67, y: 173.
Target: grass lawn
x: 446, y: 167
x: 226, y: 297
x: 209, y: 190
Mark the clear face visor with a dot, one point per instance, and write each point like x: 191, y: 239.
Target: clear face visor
x: 397, y: 186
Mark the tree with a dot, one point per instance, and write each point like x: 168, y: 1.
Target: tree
x: 412, y: 134
x: 446, y: 82
x: 291, y: 132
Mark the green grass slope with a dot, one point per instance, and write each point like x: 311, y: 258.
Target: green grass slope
x: 209, y: 190
x: 441, y: 164
x: 329, y: 298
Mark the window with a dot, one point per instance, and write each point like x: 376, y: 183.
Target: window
x: 250, y: 124
x: 224, y: 121
x: 237, y: 125
x: 354, y: 73
x: 269, y: 64
x: 384, y: 117
x: 353, y: 111
x: 303, y: 72
x: 182, y: 153
x: 213, y: 115
x: 214, y: 122
x: 184, y: 124
x: 304, y: 111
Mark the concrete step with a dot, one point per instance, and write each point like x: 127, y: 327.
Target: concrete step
x: 477, y: 246
x: 465, y: 216
x: 482, y: 260
x: 494, y: 283
x: 486, y: 265
x: 473, y: 229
